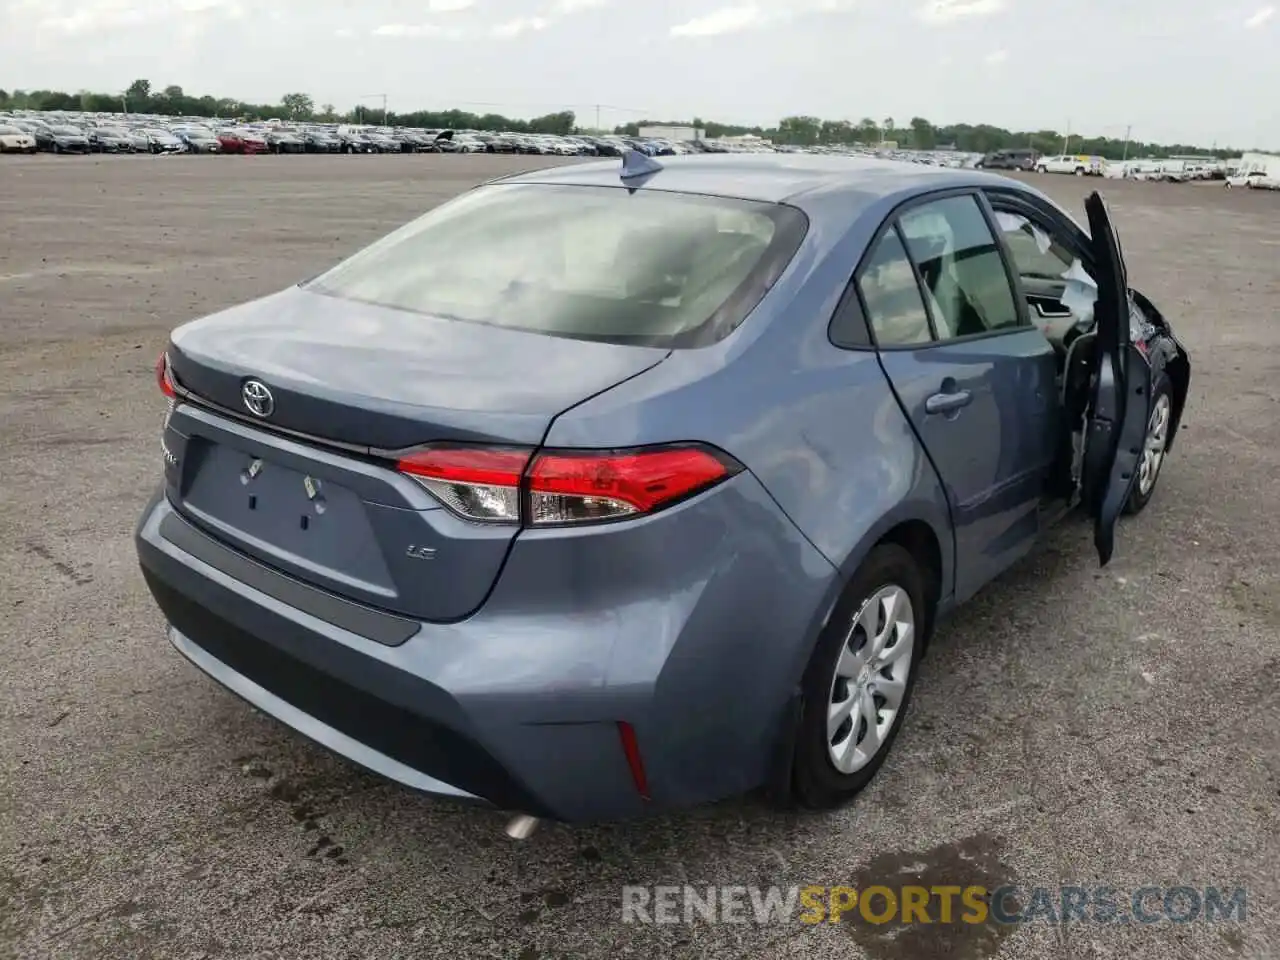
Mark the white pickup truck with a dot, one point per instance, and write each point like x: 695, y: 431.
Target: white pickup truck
x: 1074, y: 163
x: 1256, y: 171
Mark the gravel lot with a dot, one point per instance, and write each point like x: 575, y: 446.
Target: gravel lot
x: 1073, y: 725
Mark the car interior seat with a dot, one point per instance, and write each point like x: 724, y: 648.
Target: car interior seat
x: 932, y: 246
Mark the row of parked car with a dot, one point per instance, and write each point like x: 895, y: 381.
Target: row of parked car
x: 1253, y: 170
x: 63, y: 133
x: 109, y: 133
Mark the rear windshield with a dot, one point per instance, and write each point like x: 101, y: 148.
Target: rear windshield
x: 592, y: 263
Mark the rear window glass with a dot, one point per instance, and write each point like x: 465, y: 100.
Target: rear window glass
x: 593, y: 263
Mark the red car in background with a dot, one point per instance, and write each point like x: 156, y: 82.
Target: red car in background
x: 242, y: 141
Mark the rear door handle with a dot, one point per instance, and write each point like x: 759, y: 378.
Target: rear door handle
x: 948, y: 402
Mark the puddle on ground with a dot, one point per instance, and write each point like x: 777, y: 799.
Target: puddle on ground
x: 973, y: 861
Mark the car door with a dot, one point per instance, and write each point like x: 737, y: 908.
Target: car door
x: 973, y: 376
x: 1120, y: 404
x: 1052, y: 255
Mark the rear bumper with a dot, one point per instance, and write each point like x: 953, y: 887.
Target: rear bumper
x: 518, y: 707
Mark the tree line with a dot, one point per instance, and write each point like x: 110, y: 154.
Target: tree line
x: 919, y: 133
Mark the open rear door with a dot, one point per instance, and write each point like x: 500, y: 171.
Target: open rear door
x: 1121, y: 400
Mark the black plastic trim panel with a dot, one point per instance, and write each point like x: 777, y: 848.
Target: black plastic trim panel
x: 363, y: 698
x: 375, y: 625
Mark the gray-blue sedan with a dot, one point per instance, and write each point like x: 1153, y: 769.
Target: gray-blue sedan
x: 612, y: 488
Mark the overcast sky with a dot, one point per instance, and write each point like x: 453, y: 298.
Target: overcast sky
x: 1189, y: 70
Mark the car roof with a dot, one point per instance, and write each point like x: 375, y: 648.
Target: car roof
x: 772, y: 178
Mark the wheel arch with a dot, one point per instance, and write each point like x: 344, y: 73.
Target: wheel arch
x: 921, y: 530
x: 921, y: 538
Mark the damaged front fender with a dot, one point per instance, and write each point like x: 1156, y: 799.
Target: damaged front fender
x: 1166, y: 354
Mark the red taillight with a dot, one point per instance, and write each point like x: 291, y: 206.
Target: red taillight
x: 563, y: 486
x: 573, y: 487
x: 473, y: 482
x: 164, y: 378
x: 631, y: 748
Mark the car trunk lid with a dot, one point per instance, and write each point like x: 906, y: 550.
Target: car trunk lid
x: 310, y: 488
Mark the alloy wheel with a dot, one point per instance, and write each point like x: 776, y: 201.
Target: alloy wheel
x: 870, y: 681
x: 1153, y: 447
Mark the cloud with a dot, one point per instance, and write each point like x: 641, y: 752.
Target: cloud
x: 85, y: 17
x: 416, y: 30
x: 946, y: 11
x: 996, y: 57
x: 566, y: 7
x: 1259, y: 18
x: 753, y: 16
x: 344, y: 33
x: 724, y: 20
x: 506, y: 30
x: 520, y: 25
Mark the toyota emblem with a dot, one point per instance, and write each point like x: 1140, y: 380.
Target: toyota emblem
x: 257, y: 398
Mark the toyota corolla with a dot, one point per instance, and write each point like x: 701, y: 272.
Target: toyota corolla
x: 608, y: 488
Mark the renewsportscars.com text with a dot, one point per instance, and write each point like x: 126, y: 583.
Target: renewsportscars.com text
x: 933, y: 904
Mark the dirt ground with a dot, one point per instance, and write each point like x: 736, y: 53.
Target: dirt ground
x: 1072, y: 726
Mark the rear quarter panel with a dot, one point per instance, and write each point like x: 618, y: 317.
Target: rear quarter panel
x: 816, y: 424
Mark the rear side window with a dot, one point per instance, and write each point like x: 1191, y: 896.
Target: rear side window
x: 891, y: 295
x: 961, y: 267
x: 593, y: 263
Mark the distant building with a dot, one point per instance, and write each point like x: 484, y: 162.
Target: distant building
x: 671, y: 133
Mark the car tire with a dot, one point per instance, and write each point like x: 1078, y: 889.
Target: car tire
x: 817, y: 781
x: 1042, y: 169
x: 1153, y: 458
x: 1080, y: 171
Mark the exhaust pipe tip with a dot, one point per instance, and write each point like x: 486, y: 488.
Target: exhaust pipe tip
x: 521, y: 826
